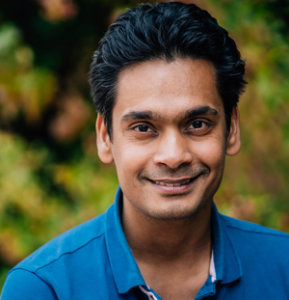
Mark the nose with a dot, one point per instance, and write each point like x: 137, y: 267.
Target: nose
x: 173, y: 150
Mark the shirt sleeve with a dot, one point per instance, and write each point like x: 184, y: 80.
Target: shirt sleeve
x: 24, y: 285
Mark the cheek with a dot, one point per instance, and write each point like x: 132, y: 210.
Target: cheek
x: 211, y: 152
x: 130, y: 158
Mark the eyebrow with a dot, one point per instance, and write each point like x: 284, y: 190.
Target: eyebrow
x: 140, y: 115
x: 150, y: 115
x: 200, y: 111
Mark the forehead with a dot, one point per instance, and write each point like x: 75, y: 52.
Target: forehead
x: 167, y: 88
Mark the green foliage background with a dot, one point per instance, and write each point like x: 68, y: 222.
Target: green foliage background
x: 50, y: 176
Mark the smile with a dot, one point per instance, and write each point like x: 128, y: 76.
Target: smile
x: 172, y: 183
x: 174, y: 186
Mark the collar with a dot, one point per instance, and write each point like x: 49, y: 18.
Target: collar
x: 125, y: 270
x: 123, y: 264
x: 227, y: 263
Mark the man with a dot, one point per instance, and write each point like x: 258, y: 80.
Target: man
x: 165, y: 80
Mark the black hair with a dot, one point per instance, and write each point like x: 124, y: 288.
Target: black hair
x: 165, y: 31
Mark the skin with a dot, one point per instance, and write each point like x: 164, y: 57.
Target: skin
x: 169, y: 127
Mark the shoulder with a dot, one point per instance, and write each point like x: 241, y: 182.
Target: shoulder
x: 262, y: 253
x: 252, y: 229
x: 26, y: 282
x: 68, y: 244
x: 257, y: 242
x: 74, y: 263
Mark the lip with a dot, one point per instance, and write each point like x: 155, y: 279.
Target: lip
x: 172, y: 180
x: 174, y: 189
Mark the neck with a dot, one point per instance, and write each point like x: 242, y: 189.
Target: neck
x: 156, y: 241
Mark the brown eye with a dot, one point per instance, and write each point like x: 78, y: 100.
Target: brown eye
x: 198, y: 125
x: 142, y: 128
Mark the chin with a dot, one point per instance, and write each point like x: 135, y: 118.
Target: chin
x: 176, y: 212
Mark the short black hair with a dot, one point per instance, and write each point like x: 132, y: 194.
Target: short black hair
x: 165, y: 31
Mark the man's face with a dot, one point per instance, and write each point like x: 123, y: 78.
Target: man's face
x: 169, y: 136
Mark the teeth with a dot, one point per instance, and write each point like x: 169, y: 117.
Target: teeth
x: 172, y: 184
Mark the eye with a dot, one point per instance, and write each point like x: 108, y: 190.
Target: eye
x: 142, y: 128
x: 198, y: 125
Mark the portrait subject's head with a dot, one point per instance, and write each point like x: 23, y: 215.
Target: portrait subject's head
x: 166, y: 81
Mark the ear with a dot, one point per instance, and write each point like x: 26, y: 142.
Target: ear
x: 103, y: 141
x: 234, y: 137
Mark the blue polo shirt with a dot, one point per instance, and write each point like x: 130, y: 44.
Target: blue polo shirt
x: 94, y: 261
